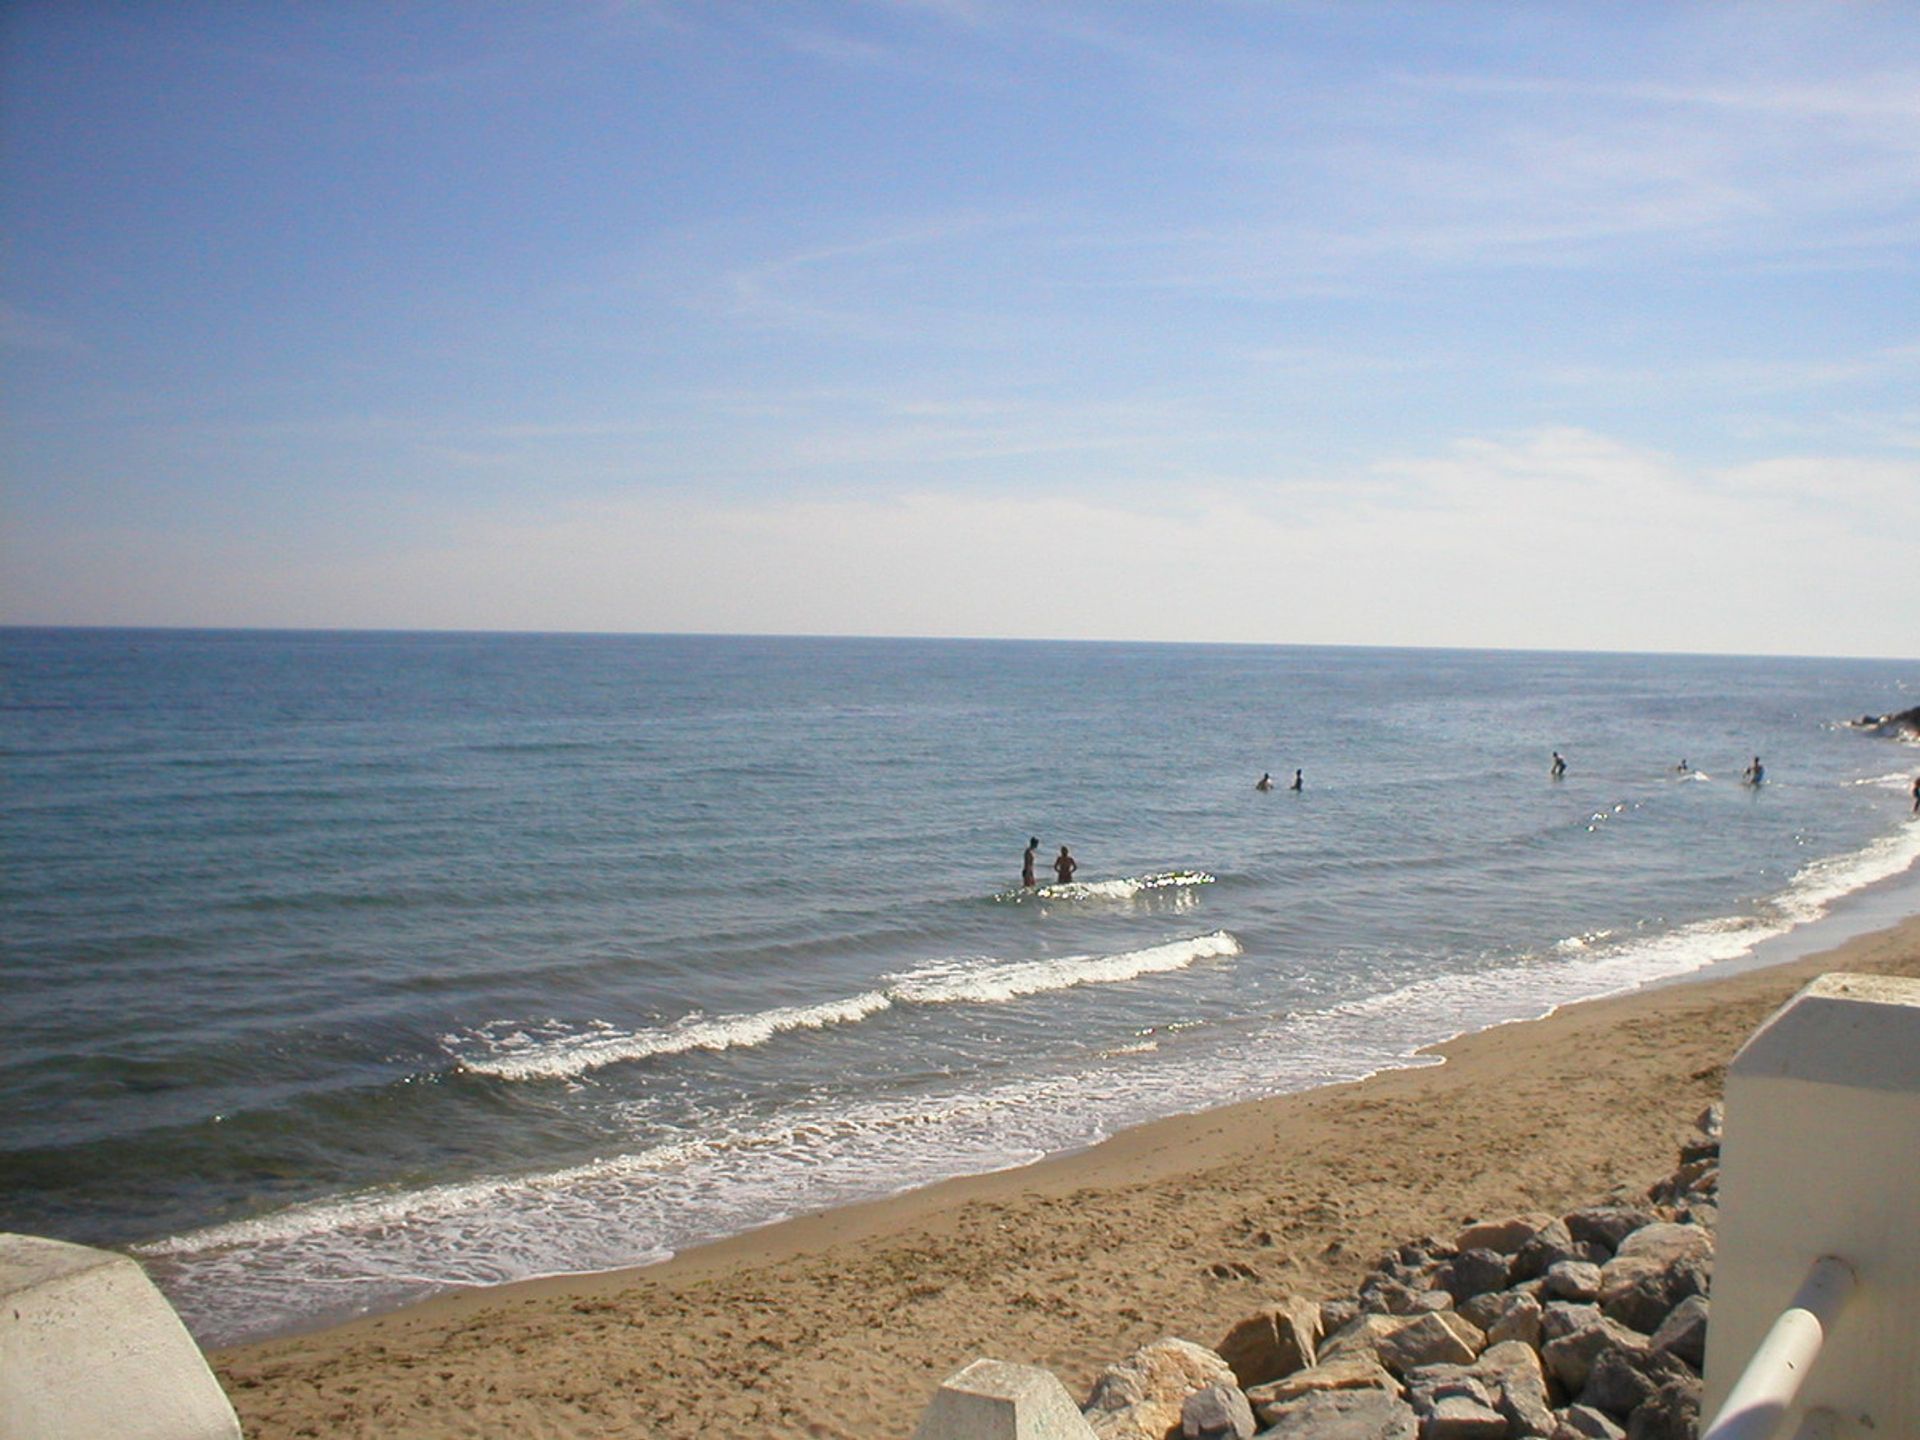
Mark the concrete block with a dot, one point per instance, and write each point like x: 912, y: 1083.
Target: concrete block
x: 994, y: 1400
x: 90, y: 1350
x: 1821, y: 1156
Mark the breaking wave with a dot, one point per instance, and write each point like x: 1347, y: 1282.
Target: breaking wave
x: 553, y: 1052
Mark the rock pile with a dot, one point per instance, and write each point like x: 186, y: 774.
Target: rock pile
x: 1586, y: 1326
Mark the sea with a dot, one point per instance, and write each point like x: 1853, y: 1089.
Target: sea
x: 340, y: 969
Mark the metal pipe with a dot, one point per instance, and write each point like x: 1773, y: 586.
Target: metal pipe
x: 1765, y: 1391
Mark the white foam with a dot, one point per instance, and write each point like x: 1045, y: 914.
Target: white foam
x: 523, y: 1058
x: 1124, y: 889
x: 988, y: 982
x: 520, y: 1054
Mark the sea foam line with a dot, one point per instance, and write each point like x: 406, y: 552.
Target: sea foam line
x: 977, y: 982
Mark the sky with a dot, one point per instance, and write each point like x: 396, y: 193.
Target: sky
x: 1535, y: 325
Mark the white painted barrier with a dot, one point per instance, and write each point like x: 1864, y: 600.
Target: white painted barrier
x: 995, y: 1400
x: 1775, y: 1373
x: 1821, y: 1157
x: 89, y: 1350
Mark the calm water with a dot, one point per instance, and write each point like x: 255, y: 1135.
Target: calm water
x: 343, y: 967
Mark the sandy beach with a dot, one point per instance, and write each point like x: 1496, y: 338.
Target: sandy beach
x: 841, y: 1324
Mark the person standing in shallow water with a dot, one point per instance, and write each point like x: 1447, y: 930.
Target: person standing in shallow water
x: 1064, y: 865
x: 1265, y: 782
x: 1559, y: 766
x: 1299, y: 783
x: 1916, y: 794
x: 1026, y: 864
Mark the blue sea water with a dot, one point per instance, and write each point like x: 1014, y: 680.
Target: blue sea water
x: 339, y: 968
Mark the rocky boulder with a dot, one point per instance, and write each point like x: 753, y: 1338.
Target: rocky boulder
x: 1142, y: 1397
x: 1272, y: 1342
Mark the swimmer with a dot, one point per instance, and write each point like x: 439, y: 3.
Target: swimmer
x: 1298, y: 783
x: 1559, y: 766
x: 1265, y: 782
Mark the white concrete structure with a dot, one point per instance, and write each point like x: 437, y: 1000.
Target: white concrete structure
x: 1821, y: 1157
x: 90, y: 1350
x: 994, y: 1400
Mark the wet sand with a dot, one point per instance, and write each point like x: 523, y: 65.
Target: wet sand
x: 842, y: 1324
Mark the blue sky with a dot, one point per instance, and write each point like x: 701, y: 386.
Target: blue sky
x: 1582, y: 326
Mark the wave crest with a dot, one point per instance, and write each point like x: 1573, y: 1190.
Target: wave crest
x: 519, y: 1055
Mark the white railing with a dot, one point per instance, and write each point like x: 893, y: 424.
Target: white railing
x: 1817, y: 1251
x: 1767, y: 1388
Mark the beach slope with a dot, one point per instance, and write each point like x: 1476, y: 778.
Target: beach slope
x: 842, y: 1324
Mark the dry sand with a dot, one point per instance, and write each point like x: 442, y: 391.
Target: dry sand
x: 842, y: 1324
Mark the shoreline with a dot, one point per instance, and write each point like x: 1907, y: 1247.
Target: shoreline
x: 841, y: 1323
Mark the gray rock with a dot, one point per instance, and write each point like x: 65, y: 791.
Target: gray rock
x: 1560, y: 1319
x: 1430, y: 1384
x: 1571, y: 1359
x: 1506, y: 1236
x: 1483, y: 1310
x: 1608, y: 1225
x: 1434, y: 1339
x: 1574, y: 1280
x: 1219, y: 1412
x: 1272, y: 1342
x: 1662, y: 1243
x: 1141, y: 1397
x: 1343, y: 1415
x: 1460, y: 1418
x: 1513, y: 1372
x: 1471, y: 1273
x: 1583, y: 1422
x: 1672, y: 1414
x: 1519, y: 1321
x: 1336, y: 1315
x: 1684, y: 1331
x: 1641, y: 1304
x: 1546, y: 1249
x: 1621, y: 1381
x: 1358, y: 1370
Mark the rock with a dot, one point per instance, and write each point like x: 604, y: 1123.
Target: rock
x: 1512, y: 1371
x: 1571, y: 1359
x: 1608, y: 1225
x: 1484, y: 1310
x: 1663, y: 1243
x: 1653, y: 1270
x: 1621, y: 1381
x: 1505, y: 1237
x: 1141, y: 1397
x: 1343, y: 1415
x: 1672, y: 1414
x: 1583, y: 1422
x: 1459, y: 1418
x: 1402, y: 1344
x: 1640, y: 1305
x: 1336, y: 1315
x: 1272, y: 1342
x: 1471, y: 1273
x: 1384, y: 1296
x: 1434, y: 1339
x: 1684, y: 1331
x: 1342, y: 1372
x: 1519, y: 1321
x: 1219, y: 1412
x: 1432, y: 1383
x: 1574, y: 1280
x: 1560, y: 1318
x: 1549, y: 1246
